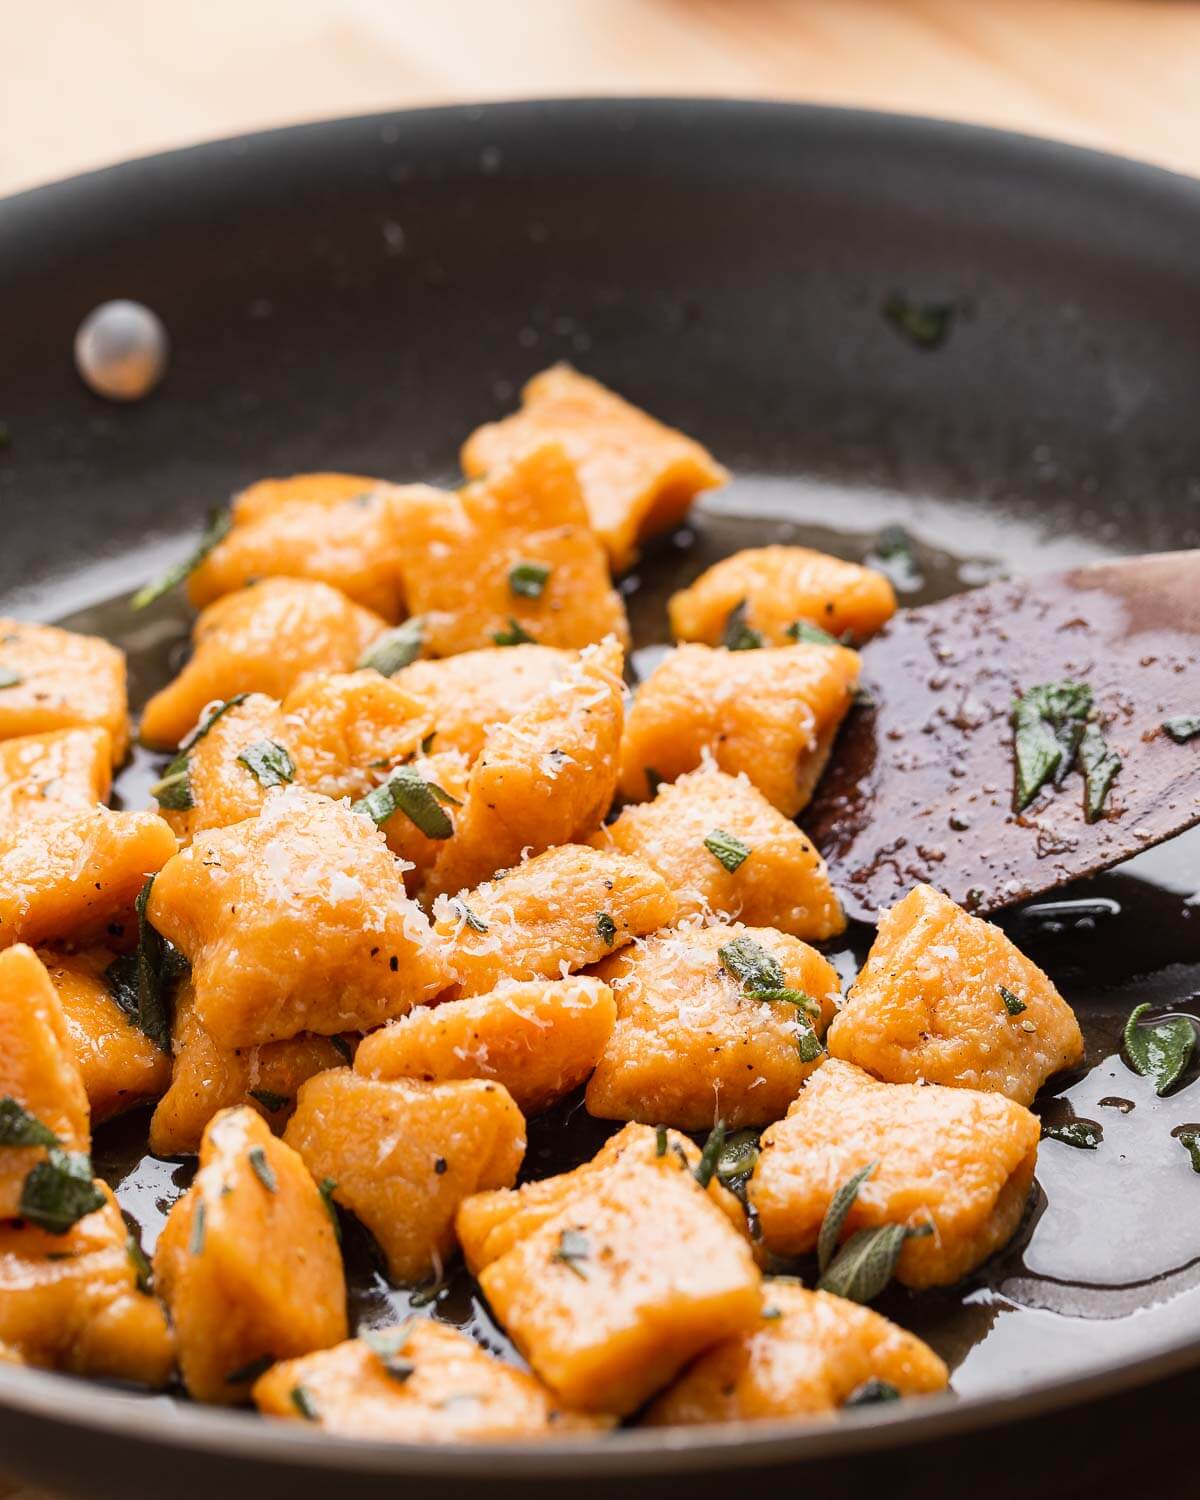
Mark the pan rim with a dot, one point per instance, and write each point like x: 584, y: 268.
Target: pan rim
x: 67, y: 1401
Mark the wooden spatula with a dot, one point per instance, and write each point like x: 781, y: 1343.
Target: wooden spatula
x: 921, y: 784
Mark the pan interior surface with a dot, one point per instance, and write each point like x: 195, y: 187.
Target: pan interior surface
x: 360, y: 295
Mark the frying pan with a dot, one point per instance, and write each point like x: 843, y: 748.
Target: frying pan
x: 360, y: 294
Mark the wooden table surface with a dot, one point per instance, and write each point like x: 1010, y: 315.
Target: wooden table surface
x: 87, y: 83
x: 91, y: 81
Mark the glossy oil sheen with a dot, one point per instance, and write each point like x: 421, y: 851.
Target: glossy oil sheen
x: 359, y: 295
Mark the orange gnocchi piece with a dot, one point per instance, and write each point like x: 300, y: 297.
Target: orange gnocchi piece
x: 263, y: 639
x: 402, y: 1155
x: 509, y: 560
x: 58, y: 679
x: 248, y: 1261
x: 772, y: 714
x: 638, y: 476
x: 725, y: 851
x: 47, y: 775
x: 776, y: 587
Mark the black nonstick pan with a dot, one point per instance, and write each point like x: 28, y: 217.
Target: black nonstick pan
x: 359, y: 295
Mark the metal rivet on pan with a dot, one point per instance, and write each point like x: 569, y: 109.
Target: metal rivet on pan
x: 122, y: 350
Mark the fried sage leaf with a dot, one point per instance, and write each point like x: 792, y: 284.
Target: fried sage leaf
x: 269, y: 762
x: 727, y: 849
x: 1099, y: 765
x: 835, y: 1215
x: 711, y: 1155
x: 60, y: 1191
x: 1048, y: 724
x: 1160, y: 1051
x: 1084, y: 1135
x: 220, y: 522
x: 1182, y: 727
x: 738, y: 635
x: 865, y: 1263
x: 407, y: 791
x: 19, y: 1128
x: 395, y: 648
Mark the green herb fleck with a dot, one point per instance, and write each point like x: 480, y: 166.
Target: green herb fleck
x: 419, y: 800
x: 572, y: 1248
x: 727, y: 849
x: 199, y: 1219
x: 809, y: 1044
x: 386, y: 1345
x: 807, y: 634
x: 220, y: 523
x: 1048, y: 724
x: 872, y: 1393
x: 60, y: 1191
x: 173, y: 789
x: 1190, y: 1141
x: 515, y: 635
x: 327, y: 1189
x: 1013, y: 1004
x: 1099, y: 765
x: 606, y: 928
x: 263, y: 1169
x: 798, y: 998
x: 470, y: 919
x: 751, y: 965
x: 1084, y: 1135
x: 738, y: 635
x: 528, y: 579
x: 302, y: 1400
x: 9, y: 678
x: 926, y: 324
x: 269, y: 762
x: 1162, y: 1051
x: 865, y: 1263
x: 835, y: 1215
x: 711, y: 1154
x: 141, y: 1266
x: 269, y: 1100
x: 248, y: 1372
x: 154, y: 969
x: 737, y: 1160
x: 1182, y: 727
x: 395, y: 648
x: 19, y: 1128
x: 660, y: 1140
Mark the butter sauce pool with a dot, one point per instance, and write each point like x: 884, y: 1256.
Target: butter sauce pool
x: 1107, y: 1260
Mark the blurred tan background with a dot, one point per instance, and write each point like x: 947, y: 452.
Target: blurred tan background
x: 87, y: 82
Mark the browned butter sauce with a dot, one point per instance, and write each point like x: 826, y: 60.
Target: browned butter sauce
x: 1107, y: 1263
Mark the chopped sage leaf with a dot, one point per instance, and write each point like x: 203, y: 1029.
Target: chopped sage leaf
x: 514, y: 635
x: 60, y: 1191
x: 1161, y: 1051
x: 196, y: 1239
x: 726, y: 849
x: 173, y: 789
x: 395, y: 648
x: 270, y: 1100
x: 926, y: 324
x: 872, y: 1392
x: 1013, y: 1004
x: 865, y: 1263
x: 798, y: 998
x: 408, y: 792
x: 1182, y: 727
x: 1084, y: 1135
x: 469, y: 918
x: 269, y: 762
x: 1099, y: 765
x: 385, y: 1345
x: 528, y: 579
x: 159, y: 966
x: 711, y: 1154
x: 1048, y: 723
x: 738, y: 635
x: 248, y: 1372
x: 751, y: 965
x: 9, y: 678
x: 571, y: 1249
x: 327, y: 1188
x: 606, y: 928
x: 19, y: 1128
x: 220, y: 522
x: 737, y: 1159
x: 660, y: 1140
x: 263, y: 1169
x: 302, y: 1400
x: 809, y: 1044
x: 835, y: 1215
x: 141, y: 1266
x: 806, y: 634
x: 193, y: 738
x: 1190, y: 1141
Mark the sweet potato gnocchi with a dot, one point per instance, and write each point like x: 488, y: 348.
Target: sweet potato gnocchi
x: 459, y: 943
